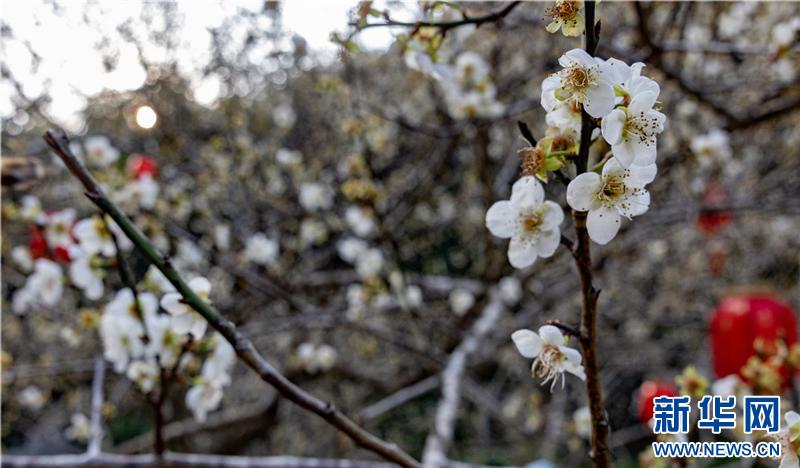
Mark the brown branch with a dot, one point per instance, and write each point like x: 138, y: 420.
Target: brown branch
x: 589, y: 294
x: 245, y: 349
x: 443, y: 25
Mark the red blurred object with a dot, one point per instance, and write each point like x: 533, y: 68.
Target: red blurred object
x: 711, y: 219
x: 649, y: 390
x: 141, y: 164
x: 740, y: 320
x: 37, y: 244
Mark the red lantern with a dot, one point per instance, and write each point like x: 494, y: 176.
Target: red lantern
x: 141, y: 164
x: 649, y: 390
x: 739, y: 321
x: 711, y: 218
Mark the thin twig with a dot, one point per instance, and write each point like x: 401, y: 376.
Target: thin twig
x: 59, y: 142
x: 96, y: 423
x: 443, y: 25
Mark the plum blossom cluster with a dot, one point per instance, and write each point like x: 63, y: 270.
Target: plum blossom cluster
x: 588, y: 97
x: 467, y: 83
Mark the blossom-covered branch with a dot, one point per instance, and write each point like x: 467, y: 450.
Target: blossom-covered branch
x: 244, y: 348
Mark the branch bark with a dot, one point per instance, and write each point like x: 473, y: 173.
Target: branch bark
x: 245, y: 350
x: 589, y: 294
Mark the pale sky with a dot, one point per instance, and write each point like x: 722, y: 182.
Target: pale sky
x: 71, y: 66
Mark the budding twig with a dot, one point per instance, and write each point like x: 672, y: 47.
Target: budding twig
x: 59, y: 143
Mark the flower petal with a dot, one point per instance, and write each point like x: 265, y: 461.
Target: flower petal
x: 642, y: 102
x: 521, y: 253
x: 182, y: 323
x: 612, y: 126
x: 527, y: 342
x: 527, y: 193
x: 582, y: 191
x: 553, y: 215
x: 548, y: 242
x: 171, y: 302
x: 616, y: 71
x: 200, y: 285
x: 599, y: 99
x: 501, y: 219
x: 551, y: 335
x: 603, y: 224
x: 642, y: 175
x: 636, y: 204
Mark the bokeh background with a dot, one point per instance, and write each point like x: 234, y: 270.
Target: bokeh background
x: 263, y: 125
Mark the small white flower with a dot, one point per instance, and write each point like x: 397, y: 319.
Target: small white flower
x: 369, y: 263
x: 528, y: 220
x: 284, y: 116
x: 202, y: 398
x: 617, y: 192
x: 582, y: 419
x: 99, y: 151
x: 70, y: 337
x: 565, y: 115
x: 315, y: 358
x: 413, y: 296
x: 21, y: 255
x: 583, y: 77
x: 30, y: 209
x: 326, y: 357
x: 313, y: 232
x: 79, y: 429
x: 59, y: 228
x: 141, y: 192
x: 510, y: 290
x: 32, y: 398
x: 121, y: 330
x: 714, y: 145
x: 790, y: 444
x: 632, y: 131
x: 471, y: 69
x: 784, y: 34
x: 94, y: 237
x: 217, y: 367
x: 184, y: 318
x: 144, y: 374
x: 287, y: 157
x: 461, y: 300
x: 350, y: 249
x: 261, y: 250
x: 42, y: 288
x: 360, y: 221
x: 84, y: 275
x: 222, y: 236
x: 315, y: 196
x: 551, y: 358
x: 567, y: 16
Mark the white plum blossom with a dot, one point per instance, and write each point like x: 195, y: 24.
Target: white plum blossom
x: 565, y: 115
x: 784, y: 34
x: 369, y: 263
x: 79, y: 428
x: 21, y: 255
x: 83, y: 273
x: 99, y: 151
x: 317, y: 358
x: 360, y: 220
x: 43, y: 287
x: 461, y: 300
x: 582, y: 420
x: 551, y: 358
x: 30, y: 209
x: 711, y: 146
x: 94, y: 237
x: 313, y: 232
x: 217, y: 367
x: 510, y: 290
x: 315, y: 196
x: 122, y: 331
x: 144, y: 373
x: 163, y: 343
x: 528, y: 220
x: 261, y: 250
x: 608, y: 196
x: 584, y: 78
x: 222, y: 236
x: 789, y: 439
x: 32, y: 398
x: 284, y: 115
x: 141, y: 192
x: 567, y: 17
x: 287, y: 157
x: 59, y: 228
x: 631, y: 131
x: 351, y: 248
x: 184, y: 318
x: 468, y: 89
x: 202, y: 398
